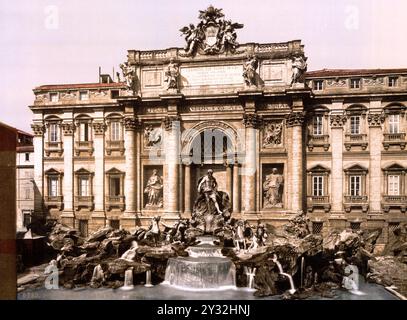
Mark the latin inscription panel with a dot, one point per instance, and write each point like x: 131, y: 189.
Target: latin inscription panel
x: 213, y: 75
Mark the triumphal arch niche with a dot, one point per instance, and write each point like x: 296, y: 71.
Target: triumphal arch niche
x: 216, y: 104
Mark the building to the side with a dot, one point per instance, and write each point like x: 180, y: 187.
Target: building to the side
x: 25, y: 179
x: 279, y: 139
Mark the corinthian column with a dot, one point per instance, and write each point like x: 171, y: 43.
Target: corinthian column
x: 68, y: 129
x: 98, y: 215
x: 187, y: 187
x: 251, y: 122
x: 38, y: 129
x: 130, y: 178
x: 295, y: 121
x: 236, y: 188
x: 337, y: 121
x: 171, y: 166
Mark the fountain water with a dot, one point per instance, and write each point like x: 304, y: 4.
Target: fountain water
x: 250, y: 273
x: 302, y: 272
x: 128, y: 279
x: 290, y: 278
x: 148, y: 279
x: 205, y: 268
x: 97, y: 276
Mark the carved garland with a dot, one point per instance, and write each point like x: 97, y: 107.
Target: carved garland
x: 131, y: 123
x: 68, y: 128
x: 375, y: 119
x: 337, y: 120
x: 38, y: 129
x: 169, y: 122
x: 99, y: 127
x: 252, y: 120
x: 295, y: 119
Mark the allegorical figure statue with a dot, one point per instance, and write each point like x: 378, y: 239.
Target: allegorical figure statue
x: 273, y: 189
x: 209, y: 187
x: 299, y: 67
x: 172, y: 74
x: 129, y: 75
x: 249, y: 71
x: 153, y: 190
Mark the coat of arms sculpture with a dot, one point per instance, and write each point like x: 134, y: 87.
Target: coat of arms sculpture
x: 212, y: 35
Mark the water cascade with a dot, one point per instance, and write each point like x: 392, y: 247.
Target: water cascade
x: 204, y: 269
x: 302, y: 272
x: 128, y: 279
x: 148, y: 279
x: 290, y: 278
x: 250, y: 273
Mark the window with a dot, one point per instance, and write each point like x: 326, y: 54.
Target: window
x: 115, y: 224
x: 27, y: 194
x: 114, y: 94
x: 317, y: 227
x: 317, y: 125
x: 355, y: 226
x: 53, y: 97
x: 394, y: 123
x: 84, y: 131
x: 27, y: 156
x: 53, y: 132
x: 355, y: 83
x: 53, y: 183
x: 115, y: 131
x: 83, y: 95
x: 317, y: 185
x: 355, y: 185
x: 83, y: 228
x: 83, y: 186
x: 393, y: 81
x: 115, y: 186
x: 355, y: 125
x: 318, y: 85
x: 26, y: 218
x: 393, y: 185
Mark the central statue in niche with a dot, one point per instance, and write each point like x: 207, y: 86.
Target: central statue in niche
x: 212, y: 207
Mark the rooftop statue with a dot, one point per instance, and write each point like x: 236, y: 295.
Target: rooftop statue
x: 212, y: 35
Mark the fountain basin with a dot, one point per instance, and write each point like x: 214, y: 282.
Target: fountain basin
x: 201, y: 273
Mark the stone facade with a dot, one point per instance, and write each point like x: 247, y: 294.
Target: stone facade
x: 25, y: 179
x: 279, y: 139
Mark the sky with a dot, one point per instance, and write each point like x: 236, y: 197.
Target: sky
x: 57, y: 41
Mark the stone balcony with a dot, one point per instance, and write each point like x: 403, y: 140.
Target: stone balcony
x: 54, y: 202
x: 318, y: 141
x: 115, y: 202
x: 318, y: 202
x: 83, y: 147
x: 114, y: 146
x: 397, y: 201
x: 396, y: 139
x: 355, y: 140
x: 83, y: 202
x: 350, y: 202
x: 53, y: 147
